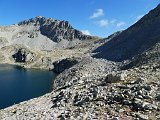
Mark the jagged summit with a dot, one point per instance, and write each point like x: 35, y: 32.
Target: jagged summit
x: 40, y: 20
x: 56, y: 30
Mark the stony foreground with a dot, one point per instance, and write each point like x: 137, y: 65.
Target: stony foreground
x: 96, y: 89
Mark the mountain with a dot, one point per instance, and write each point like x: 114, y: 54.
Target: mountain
x: 54, y: 29
x: 42, y: 33
x: 136, y: 40
x: 40, y: 41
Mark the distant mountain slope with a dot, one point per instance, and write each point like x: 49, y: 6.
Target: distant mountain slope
x: 150, y: 57
x: 42, y: 33
x: 138, y: 38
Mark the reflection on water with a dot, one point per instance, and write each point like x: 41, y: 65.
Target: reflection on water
x: 18, y: 84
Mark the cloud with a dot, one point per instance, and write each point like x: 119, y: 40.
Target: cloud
x: 113, y: 21
x: 120, y: 24
x: 117, y: 23
x: 86, y: 32
x: 103, y: 23
x: 97, y: 13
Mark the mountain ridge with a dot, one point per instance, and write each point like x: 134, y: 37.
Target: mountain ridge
x: 133, y: 41
x: 43, y: 34
x: 53, y: 28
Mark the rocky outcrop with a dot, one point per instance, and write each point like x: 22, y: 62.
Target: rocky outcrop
x: 55, y: 30
x: 23, y: 55
x: 60, y: 66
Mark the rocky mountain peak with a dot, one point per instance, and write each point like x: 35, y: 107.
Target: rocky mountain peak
x: 39, y: 20
x: 56, y: 30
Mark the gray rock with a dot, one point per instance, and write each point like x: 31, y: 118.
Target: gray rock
x: 142, y: 116
x: 115, y: 118
x: 158, y: 97
x: 126, y: 102
x: 112, y: 78
x: 147, y: 106
x: 137, y: 104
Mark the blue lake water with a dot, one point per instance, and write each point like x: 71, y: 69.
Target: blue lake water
x: 18, y: 84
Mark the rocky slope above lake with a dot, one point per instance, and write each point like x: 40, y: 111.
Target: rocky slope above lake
x: 39, y: 42
x: 128, y: 87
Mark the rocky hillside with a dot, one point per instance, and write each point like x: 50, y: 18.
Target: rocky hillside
x: 149, y: 57
x: 138, y: 38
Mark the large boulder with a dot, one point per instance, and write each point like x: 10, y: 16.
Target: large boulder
x: 60, y: 66
x: 115, y: 77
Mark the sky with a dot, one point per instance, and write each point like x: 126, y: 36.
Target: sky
x: 94, y: 17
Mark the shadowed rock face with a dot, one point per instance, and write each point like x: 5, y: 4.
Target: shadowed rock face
x: 23, y: 55
x: 55, y: 30
x: 135, y: 40
x: 19, y: 56
x: 60, y: 66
